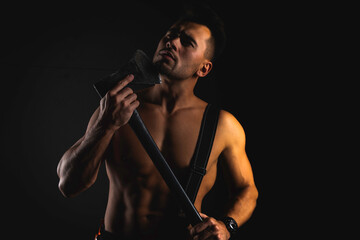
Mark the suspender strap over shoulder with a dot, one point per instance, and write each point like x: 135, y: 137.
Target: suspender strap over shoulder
x: 202, y: 151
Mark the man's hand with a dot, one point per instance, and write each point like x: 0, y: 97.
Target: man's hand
x: 117, y: 106
x: 210, y: 229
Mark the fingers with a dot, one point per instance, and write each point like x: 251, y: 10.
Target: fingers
x: 134, y: 105
x: 131, y: 97
x: 130, y: 102
x: 120, y: 94
x: 126, y: 104
x: 121, y: 84
x: 205, y: 235
x: 124, y: 94
x: 208, y: 229
x: 201, y: 226
x: 118, y: 105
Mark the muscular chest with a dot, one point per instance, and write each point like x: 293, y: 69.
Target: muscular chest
x: 175, y: 135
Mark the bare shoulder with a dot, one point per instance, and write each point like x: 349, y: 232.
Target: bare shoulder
x: 230, y: 129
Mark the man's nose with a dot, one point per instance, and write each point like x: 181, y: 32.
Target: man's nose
x: 172, y: 43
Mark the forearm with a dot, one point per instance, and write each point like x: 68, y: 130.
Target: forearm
x: 242, y: 205
x: 240, y: 209
x: 79, y: 166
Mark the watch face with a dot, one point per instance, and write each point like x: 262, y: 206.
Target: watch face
x: 232, y: 225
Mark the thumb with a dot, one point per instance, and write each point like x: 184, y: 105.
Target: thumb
x: 203, y: 215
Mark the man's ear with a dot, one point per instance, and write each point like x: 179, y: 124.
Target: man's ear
x: 205, y: 69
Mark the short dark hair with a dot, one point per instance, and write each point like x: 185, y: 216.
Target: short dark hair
x: 202, y: 14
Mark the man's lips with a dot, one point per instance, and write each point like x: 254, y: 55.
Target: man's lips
x: 167, y: 53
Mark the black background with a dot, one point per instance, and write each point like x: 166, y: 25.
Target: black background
x: 269, y: 77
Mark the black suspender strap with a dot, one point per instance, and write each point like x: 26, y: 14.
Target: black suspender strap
x: 202, y: 151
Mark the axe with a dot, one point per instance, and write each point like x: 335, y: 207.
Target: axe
x: 146, y: 75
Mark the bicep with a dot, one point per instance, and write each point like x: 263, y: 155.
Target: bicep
x: 233, y: 159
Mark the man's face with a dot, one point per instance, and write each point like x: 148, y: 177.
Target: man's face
x: 181, y: 52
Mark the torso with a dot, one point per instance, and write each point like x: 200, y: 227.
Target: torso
x: 139, y: 200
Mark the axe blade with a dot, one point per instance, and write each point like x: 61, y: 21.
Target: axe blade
x: 144, y: 71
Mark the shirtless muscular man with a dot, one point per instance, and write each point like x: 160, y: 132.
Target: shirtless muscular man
x: 139, y: 204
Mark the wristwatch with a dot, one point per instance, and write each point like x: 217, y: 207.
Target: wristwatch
x: 230, y: 224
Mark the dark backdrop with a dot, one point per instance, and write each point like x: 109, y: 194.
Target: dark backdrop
x: 52, y: 54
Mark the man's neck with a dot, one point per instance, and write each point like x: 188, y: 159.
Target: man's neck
x: 173, y: 95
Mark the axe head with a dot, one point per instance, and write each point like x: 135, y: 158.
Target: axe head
x: 144, y: 71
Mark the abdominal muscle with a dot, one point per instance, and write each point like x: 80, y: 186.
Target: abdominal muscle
x: 141, y: 207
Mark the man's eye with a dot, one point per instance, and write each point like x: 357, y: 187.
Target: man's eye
x: 186, y: 42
